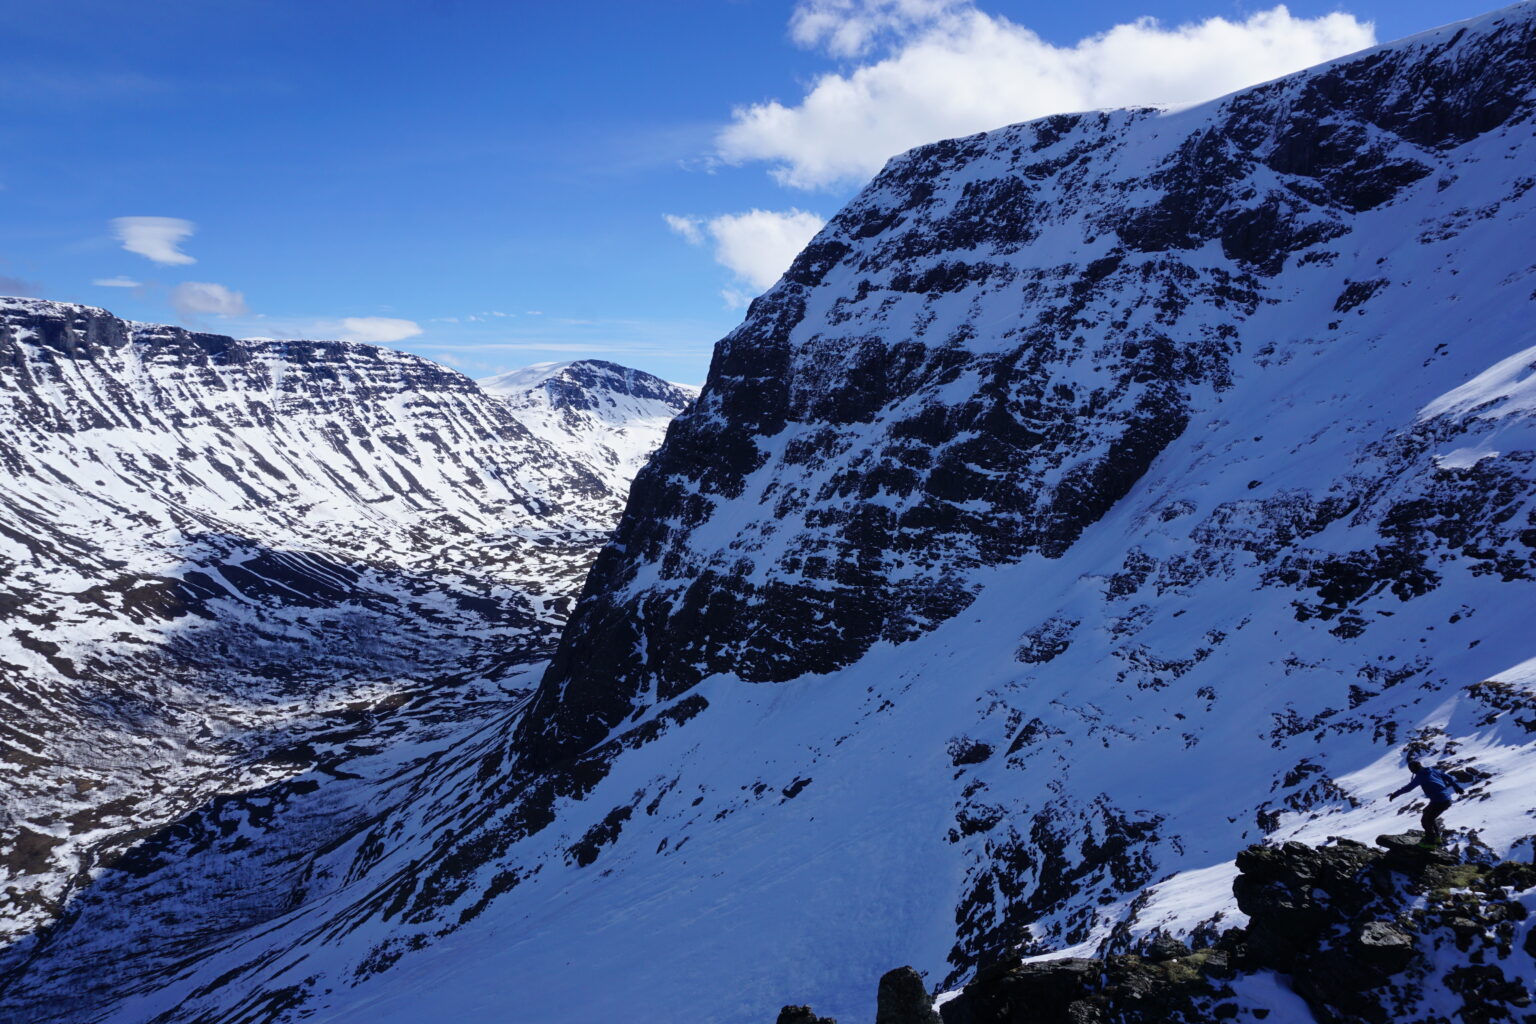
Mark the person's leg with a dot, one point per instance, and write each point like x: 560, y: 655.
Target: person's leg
x: 1431, y: 817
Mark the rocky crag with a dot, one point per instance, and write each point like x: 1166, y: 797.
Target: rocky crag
x: 1340, y: 934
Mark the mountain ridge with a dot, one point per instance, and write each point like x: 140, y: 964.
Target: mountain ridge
x: 1091, y: 498
x: 231, y: 567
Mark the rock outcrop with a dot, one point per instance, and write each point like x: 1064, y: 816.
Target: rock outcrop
x: 1397, y: 934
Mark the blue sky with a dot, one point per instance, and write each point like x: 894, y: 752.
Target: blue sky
x: 493, y: 184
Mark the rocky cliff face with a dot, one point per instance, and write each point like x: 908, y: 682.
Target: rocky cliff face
x: 993, y: 345
x: 231, y: 571
x: 1092, y: 498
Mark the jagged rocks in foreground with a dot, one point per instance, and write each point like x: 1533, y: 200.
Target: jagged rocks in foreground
x: 1403, y: 934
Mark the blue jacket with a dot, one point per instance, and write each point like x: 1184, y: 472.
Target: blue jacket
x: 1436, y: 784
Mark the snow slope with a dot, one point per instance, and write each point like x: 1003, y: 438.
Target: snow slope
x: 230, y: 568
x: 610, y: 416
x: 1092, y: 498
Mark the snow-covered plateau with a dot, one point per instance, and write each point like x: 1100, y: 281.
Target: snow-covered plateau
x: 229, y: 569
x: 1092, y: 499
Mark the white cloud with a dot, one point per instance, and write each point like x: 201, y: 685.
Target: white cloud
x: 735, y: 298
x: 950, y: 69
x: 688, y: 227
x: 756, y: 246
x: 849, y: 28
x: 194, y: 297
x: 156, y: 238
x: 117, y: 282
x: 759, y: 245
x: 376, y: 330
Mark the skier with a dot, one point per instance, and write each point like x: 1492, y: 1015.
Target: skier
x: 1437, y: 786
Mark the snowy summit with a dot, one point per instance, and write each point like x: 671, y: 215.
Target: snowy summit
x: 610, y: 416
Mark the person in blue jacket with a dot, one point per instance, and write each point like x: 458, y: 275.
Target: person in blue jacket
x: 1437, y: 786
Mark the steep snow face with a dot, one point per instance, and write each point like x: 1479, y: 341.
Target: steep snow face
x: 996, y: 343
x: 1092, y: 498
x: 228, y: 565
x: 609, y: 416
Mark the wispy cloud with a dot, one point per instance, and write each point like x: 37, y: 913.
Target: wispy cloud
x: 192, y: 298
x: 943, y: 68
x: 691, y: 228
x: 53, y: 82
x: 155, y: 238
x: 119, y: 281
x: 377, y: 330
x: 19, y: 287
x: 850, y: 28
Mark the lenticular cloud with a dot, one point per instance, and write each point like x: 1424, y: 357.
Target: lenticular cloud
x: 155, y: 238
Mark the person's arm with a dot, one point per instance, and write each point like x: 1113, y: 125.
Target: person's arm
x: 1413, y: 782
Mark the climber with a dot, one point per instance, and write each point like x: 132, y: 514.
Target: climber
x: 1437, y: 786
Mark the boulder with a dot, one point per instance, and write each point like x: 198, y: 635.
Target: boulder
x: 1046, y: 990
x: 1407, y: 853
x: 1165, y: 947
x: 1384, y: 945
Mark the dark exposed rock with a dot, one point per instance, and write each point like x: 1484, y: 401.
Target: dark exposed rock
x: 965, y: 751
x: 1406, y: 852
x: 1352, y: 927
x: 1384, y: 945
x: 802, y: 1015
x: 902, y: 999
x: 1164, y: 948
x: 1022, y: 992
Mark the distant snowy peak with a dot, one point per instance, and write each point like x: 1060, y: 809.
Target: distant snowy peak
x: 589, y: 384
x: 611, y: 417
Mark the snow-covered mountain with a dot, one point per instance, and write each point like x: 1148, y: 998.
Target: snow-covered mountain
x: 227, y: 567
x: 610, y: 416
x: 1092, y: 498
